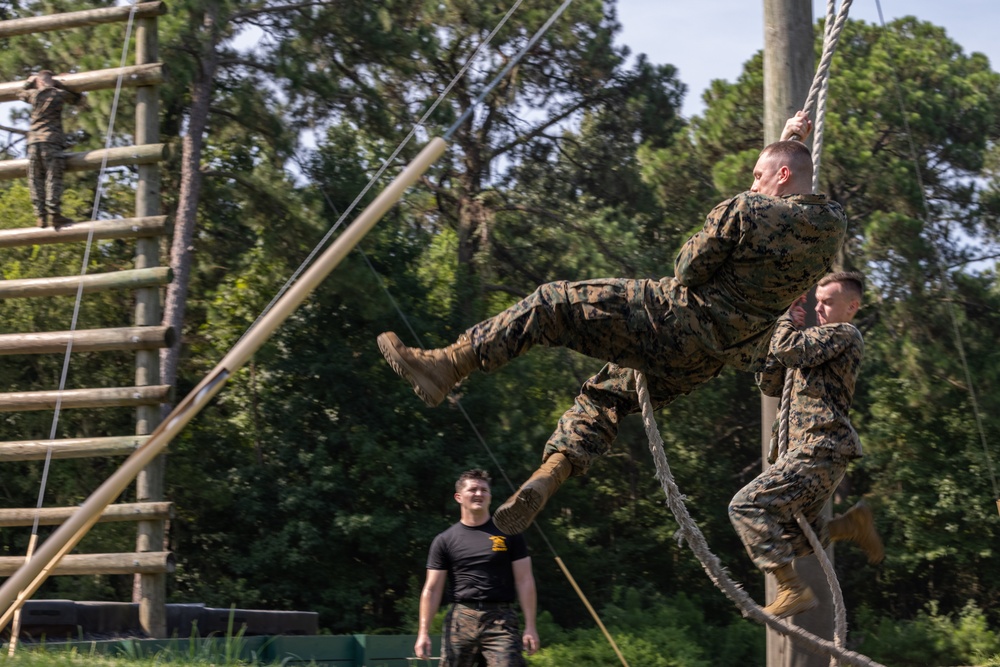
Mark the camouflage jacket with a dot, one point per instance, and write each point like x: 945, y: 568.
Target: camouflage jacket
x: 755, y: 255
x: 825, y: 360
x: 46, y: 112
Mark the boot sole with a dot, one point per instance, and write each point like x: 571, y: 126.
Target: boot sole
x: 871, y: 543
x: 515, y: 515
x: 387, y: 345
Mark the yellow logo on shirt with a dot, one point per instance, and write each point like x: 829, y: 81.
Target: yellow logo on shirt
x: 499, y: 542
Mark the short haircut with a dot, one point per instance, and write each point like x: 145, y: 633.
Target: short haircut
x: 45, y: 71
x: 794, y: 153
x: 854, y: 281
x: 474, y: 474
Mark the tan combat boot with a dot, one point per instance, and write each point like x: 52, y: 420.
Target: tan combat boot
x: 515, y: 515
x: 858, y: 525
x: 431, y: 372
x: 793, y: 596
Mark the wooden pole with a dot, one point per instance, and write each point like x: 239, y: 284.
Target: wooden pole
x: 788, y: 72
x: 33, y: 573
x: 111, y: 397
x: 116, y: 157
x: 117, y: 563
x: 87, y: 340
x: 53, y: 516
x: 93, y: 282
x: 79, y: 19
x: 135, y: 75
x: 149, y: 589
x: 70, y: 448
x: 117, y: 228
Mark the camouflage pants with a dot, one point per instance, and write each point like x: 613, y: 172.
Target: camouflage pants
x: 629, y: 323
x: 46, y: 164
x: 481, y: 638
x: 763, y: 512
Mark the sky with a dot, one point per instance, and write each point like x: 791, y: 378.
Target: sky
x: 711, y: 39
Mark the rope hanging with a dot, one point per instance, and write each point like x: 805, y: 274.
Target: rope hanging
x: 816, y: 99
x: 690, y: 533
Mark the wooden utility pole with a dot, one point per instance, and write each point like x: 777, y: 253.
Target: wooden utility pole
x: 788, y: 73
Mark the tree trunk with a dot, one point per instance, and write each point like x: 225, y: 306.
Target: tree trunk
x: 185, y: 219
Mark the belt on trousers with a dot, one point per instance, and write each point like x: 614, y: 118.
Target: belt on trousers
x: 482, y: 605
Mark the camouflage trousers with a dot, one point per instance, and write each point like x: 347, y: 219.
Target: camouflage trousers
x: 763, y: 512
x: 46, y: 164
x: 629, y: 323
x: 489, y: 638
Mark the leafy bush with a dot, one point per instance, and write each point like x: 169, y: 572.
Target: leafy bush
x: 654, y: 631
x: 930, y: 639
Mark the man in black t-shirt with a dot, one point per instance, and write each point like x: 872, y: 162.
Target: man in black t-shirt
x: 486, y: 569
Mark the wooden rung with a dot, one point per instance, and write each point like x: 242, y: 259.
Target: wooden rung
x: 79, y: 19
x: 70, y: 448
x: 117, y: 228
x: 54, y: 516
x: 150, y: 74
x: 116, y: 397
x: 88, y: 340
x: 94, y: 282
x: 116, y: 157
x: 150, y: 562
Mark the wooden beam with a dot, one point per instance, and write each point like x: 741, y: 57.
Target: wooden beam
x: 69, y: 448
x: 79, y: 19
x: 150, y: 562
x: 54, y: 516
x: 114, y: 397
x: 116, y: 157
x: 94, y: 282
x: 80, y: 82
x: 117, y: 228
x: 87, y: 340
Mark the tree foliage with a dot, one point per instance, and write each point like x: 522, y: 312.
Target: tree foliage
x: 317, y: 480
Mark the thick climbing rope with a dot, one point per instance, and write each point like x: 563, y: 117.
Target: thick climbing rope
x: 53, y: 430
x: 833, y: 27
x: 815, y: 105
x: 690, y: 533
x: 959, y: 344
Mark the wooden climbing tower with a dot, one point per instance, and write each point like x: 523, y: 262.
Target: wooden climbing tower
x: 144, y: 335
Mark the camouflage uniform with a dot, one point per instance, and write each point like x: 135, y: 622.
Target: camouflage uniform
x: 46, y: 142
x: 821, y: 441
x: 732, y: 280
x: 491, y: 637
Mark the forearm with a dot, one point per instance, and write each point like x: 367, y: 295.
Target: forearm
x: 527, y: 597
x: 811, y: 347
x: 430, y: 601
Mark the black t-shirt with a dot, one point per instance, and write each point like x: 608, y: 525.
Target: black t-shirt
x: 478, y: 560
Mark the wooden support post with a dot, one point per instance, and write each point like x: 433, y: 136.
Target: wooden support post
x: 94, y: 282
x: 117, y: 228
x: 115, y: 397
x: 149, y: 590
x: 87, y: 564
x: 135, y: 75
x: 788, y: 73
x: 78, y: 19
x: 116, y: 157
x: 70, y: 448
x: 87, y: 340
x: 54, y: 516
